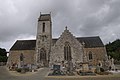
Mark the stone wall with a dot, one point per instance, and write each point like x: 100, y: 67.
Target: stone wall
x: 99, y: 55
x: 14, y: 57
x: 57, y: 52
x: 44, y: 40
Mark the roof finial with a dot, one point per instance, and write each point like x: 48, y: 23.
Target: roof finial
x: 66, y: 28
x: 40, y: 13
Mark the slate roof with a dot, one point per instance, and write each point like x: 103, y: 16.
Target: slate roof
x: 90, y: 42
x: 54, y: 41
x: 24, y: 45
x: 44, y: 17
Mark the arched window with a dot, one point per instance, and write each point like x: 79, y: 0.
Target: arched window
x: 42, y: 54
x: 43, y: 27
x: 67, y: 51
x: 90, y: 55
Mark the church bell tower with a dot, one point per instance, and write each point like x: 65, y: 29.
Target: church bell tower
x: 44, y: 39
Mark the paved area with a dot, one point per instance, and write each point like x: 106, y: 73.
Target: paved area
x: 41, y: 75
x: 5, y: 75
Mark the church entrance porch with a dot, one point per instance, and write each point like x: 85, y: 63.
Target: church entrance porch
x: 42, y: 61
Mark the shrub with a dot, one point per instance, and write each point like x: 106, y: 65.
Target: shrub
x: 102, y: 70
x: 22, y: 69
x: 104, y: 73
x: 26, y: 69
x: 19, y: 70
x: 95, y: 71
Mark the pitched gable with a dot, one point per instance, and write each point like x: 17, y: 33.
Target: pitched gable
x: 75, y: 48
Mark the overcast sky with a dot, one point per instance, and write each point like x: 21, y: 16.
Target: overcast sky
x: 18, y: 18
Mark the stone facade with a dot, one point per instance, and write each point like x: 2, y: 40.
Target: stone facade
x: 14, y: 57
x: 98, y: 54
x: 45, y: 51
x: 57, y: 52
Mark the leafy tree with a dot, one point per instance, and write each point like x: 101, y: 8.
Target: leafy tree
x: 113, y: 49
x: 3, y: 55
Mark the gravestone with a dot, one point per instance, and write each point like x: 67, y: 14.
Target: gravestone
x: 56, y: 67
x: 56, y: 71
x: 85, y: 67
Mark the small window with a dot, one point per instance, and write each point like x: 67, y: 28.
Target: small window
x: 43, y: 27
x: 90, y: 55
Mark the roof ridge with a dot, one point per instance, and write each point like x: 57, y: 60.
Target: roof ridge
x: 44, y: 14
x: 88, y: 37
x: 27, y: 40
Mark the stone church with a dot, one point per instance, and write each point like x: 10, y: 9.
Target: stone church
x: 46, y: 51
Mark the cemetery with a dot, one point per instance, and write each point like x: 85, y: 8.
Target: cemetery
x: 67, y: 68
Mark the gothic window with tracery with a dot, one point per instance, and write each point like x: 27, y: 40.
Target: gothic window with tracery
x: 67, y: 51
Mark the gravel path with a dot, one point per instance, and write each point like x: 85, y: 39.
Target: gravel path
x: 5, y: 75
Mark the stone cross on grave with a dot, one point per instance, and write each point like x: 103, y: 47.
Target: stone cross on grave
x: 112, y: 64
x: 109, y: 57
x: 84, y: 53
x: 21, y: 57
x: 112, y: 61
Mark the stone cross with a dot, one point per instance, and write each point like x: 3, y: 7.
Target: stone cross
x: 21, y: 57
x: 112, y: 61
x: 66, y: 28
x: 109, y: 57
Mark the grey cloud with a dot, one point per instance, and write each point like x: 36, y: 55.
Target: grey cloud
x: 18, y: 18
x: 92, y: 25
